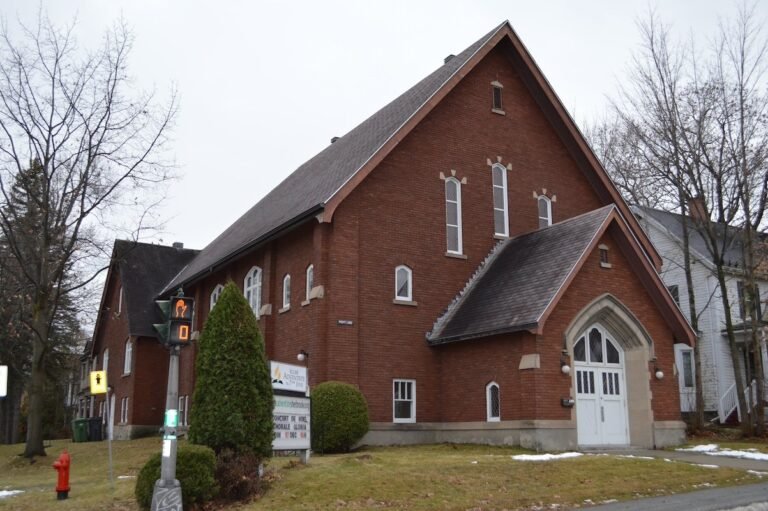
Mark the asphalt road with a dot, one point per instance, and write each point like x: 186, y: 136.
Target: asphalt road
x: 752, y: 497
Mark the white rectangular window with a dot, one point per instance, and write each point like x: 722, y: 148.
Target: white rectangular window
x: 404, y: 400
x: 287, y: 292
x: 182, y: 410
x: 453, y: 215
x: 124, y: 410
x: 500, y: 215
x: 186, y: 411
x: 128, y: 358
x: 687, y: 368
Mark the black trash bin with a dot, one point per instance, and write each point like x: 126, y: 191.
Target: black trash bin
x: 95, y: 433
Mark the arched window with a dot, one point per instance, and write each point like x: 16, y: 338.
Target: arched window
x: 453, y: 215
x: 287, y: 291
x: 403, y: 284
x: 216, y: 294
x: 105, y: 361
x: 120, y: 301
x: 252, y: 289
x: 492, y: 402
x: 596, y: 348
x: 500, y: 214
x: 310, y: 280
x: 128, y: 359
x: 545, y: 211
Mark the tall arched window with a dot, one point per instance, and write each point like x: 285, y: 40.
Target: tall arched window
x: 492, y: 402
x: 105, y: 359
x: 545, y: 211
x: 310, y: 280
x: 128, y: 359
x: 287, y: 291
x: 216, y: 294
x: 252, y: 289
x: 453, y: 215
x: 403, y: 284
x: 500, y: 211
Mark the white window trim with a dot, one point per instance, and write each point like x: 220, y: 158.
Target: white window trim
x: 488, y: 407
x: 124, y: 410
x: 548, y: 201
x: 412, y: 418
x: 105, y: 361
x: 286, y: 291
x: 460, y: 241
x: 215, y: 295
x: 128, y: 357
x: 503, y: 169
x: 310, y: 283
x: 255, y: 288
x: 409, y: 272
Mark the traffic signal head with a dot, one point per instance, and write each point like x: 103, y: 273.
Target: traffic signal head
x: 177, y: 315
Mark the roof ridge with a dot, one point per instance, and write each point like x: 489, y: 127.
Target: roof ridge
x: 481, y: 269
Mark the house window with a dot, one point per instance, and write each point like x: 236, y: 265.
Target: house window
x: 186, y: 410
x: 500, y: 216
x: 404, y: 401
x: 744, y: 313
x: 310, y: 280
x: 604, y: 261
x: 675, y: 292
x: 215, y: 295
x: 545, y: 211
x: 252, y: 289
x: 127, y: 361
x: 496, y: 104
x: 182, y: 411
x: 120, y: 301
x: 687, y: 368
x: 287, y: 291
x: 124, y: 410
x: 403, y: 284
x: 493, y: 405
x: 453, y: 215
x: 105, y: 360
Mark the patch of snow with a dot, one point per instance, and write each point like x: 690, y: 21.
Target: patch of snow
x: 633, y: 456
x: 707, y: 466
x: 9, y: 493
x: 700, y: 448
x: 474, y: 462
x: 126, y: 477
x: 668, y: 460
x: 756, y: 473
x: 758, y: 456
x: 609, y: 501
x: 546, y: 457
x: 758, y: 506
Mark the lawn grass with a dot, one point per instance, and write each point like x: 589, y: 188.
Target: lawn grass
x: 433, y: 477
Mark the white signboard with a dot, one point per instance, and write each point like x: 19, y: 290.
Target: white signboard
x: 3, y: 381
x: 291, y: 417
x: 288, y: 377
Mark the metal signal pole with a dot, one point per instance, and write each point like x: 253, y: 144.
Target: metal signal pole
x: 167, y: 494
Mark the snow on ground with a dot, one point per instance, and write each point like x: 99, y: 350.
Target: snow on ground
x: 760, y: 506
x: 758, y: 474
x: 635, y: 457
x: 707, y: 466
x: 9, y: 493
x: 546, y: 457
x: 715, y: 450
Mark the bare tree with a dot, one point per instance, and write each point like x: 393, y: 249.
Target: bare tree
x: 77, y: 146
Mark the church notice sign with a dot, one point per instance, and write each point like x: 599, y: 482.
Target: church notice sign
x: 291, y: 417
x: 288, y: 377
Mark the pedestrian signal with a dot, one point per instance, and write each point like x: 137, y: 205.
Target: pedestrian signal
x: 177, y: 313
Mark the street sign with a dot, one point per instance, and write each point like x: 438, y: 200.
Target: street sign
x: 98, y: 382
x: 3, y: 381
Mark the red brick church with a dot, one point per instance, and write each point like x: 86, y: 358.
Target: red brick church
x: 461, y: 256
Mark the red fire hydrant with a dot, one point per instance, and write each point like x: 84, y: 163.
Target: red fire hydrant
x: 62, y: 465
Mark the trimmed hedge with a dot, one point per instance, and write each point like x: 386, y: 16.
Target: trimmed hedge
x: 232, y: 403
x: 195, y: 468
x: 339, y: 416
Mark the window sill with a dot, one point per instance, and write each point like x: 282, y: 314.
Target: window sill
x: 404, y: 302
x: 125, y: 374
x: 284, y: 310
x: 305, y: 303
x: 455, y: 256
x: 497, y: 111
x: 404, y: 421
x: 494, y: 419
x: 605, y: 265
x: 500, y: 237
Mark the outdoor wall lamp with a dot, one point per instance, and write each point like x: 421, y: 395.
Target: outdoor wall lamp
x: 302, y: 356
x: 564, y: 367
x: 657, y: 372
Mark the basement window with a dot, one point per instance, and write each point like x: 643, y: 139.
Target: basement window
x: 497, y: 105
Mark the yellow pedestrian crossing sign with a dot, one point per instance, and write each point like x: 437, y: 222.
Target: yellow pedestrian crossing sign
x: 98, y: 382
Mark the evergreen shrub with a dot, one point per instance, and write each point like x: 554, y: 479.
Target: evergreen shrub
x: 195, y: 468
x: 339, y: 417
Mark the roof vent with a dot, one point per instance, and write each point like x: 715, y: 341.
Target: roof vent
x: 448, y: 58
x: 334, y: 139
x: 178, y: 244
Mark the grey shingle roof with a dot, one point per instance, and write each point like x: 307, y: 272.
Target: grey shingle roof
x: 144, y: 269
x: 307, y: 189
x: 519, y: 280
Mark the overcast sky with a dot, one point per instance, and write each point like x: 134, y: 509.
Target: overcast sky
x: 265, y: 85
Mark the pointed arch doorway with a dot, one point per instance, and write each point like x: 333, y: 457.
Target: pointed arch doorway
x: 601, y: 391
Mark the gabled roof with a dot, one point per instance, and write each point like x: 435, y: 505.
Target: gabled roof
x: 520, y: 283
x: 143, y: 269
x: 319, y: 185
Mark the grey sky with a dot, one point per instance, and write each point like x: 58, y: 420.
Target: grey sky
x: 265, y: 85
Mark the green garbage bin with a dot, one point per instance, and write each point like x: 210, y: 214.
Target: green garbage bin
x: 80, y: 430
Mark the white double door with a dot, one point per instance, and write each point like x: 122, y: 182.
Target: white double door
x: 601, y: 394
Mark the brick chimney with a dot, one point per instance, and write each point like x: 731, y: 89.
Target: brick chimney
x: 697, y: 208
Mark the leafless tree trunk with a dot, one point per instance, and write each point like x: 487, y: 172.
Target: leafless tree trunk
x: 77, y: 146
